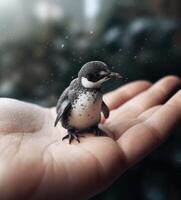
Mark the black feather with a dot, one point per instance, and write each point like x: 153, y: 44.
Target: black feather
x: 105, y: 110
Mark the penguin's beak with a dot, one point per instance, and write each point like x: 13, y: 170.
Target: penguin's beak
x: 115, y: 75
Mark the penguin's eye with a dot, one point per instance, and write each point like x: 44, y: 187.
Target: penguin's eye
x: 93, y: 77
x: 97, y: 75
x: 89, y: 77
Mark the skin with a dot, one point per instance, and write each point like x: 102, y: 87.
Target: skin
x: 36, y: 164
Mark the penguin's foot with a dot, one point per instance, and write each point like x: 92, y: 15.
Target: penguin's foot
x: 72, y: 134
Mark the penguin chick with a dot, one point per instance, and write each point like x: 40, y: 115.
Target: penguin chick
x: 80, y: 105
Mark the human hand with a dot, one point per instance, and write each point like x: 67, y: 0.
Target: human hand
x: 36, y: 164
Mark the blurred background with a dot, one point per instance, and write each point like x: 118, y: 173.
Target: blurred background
x: 43, y: 44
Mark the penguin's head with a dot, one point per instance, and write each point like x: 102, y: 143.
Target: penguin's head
x: 94, y: 73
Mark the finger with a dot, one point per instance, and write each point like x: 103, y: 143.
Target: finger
x: 145, y: 115
x: 121, y: 95
x: 155, y: 95
x: 116, y: 128
x: 140, y: 140
x: 166, y: 118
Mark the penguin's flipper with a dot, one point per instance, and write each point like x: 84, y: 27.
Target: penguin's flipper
x: 105, y: 110
x: 65, y: 105
x: 64, y: 102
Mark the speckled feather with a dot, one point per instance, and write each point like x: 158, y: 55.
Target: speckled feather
x: 79, y: 107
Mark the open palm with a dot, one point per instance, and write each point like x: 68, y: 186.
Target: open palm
x: 36, y: 164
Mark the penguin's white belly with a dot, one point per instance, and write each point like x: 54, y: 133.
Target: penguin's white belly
x: 86, y: 111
